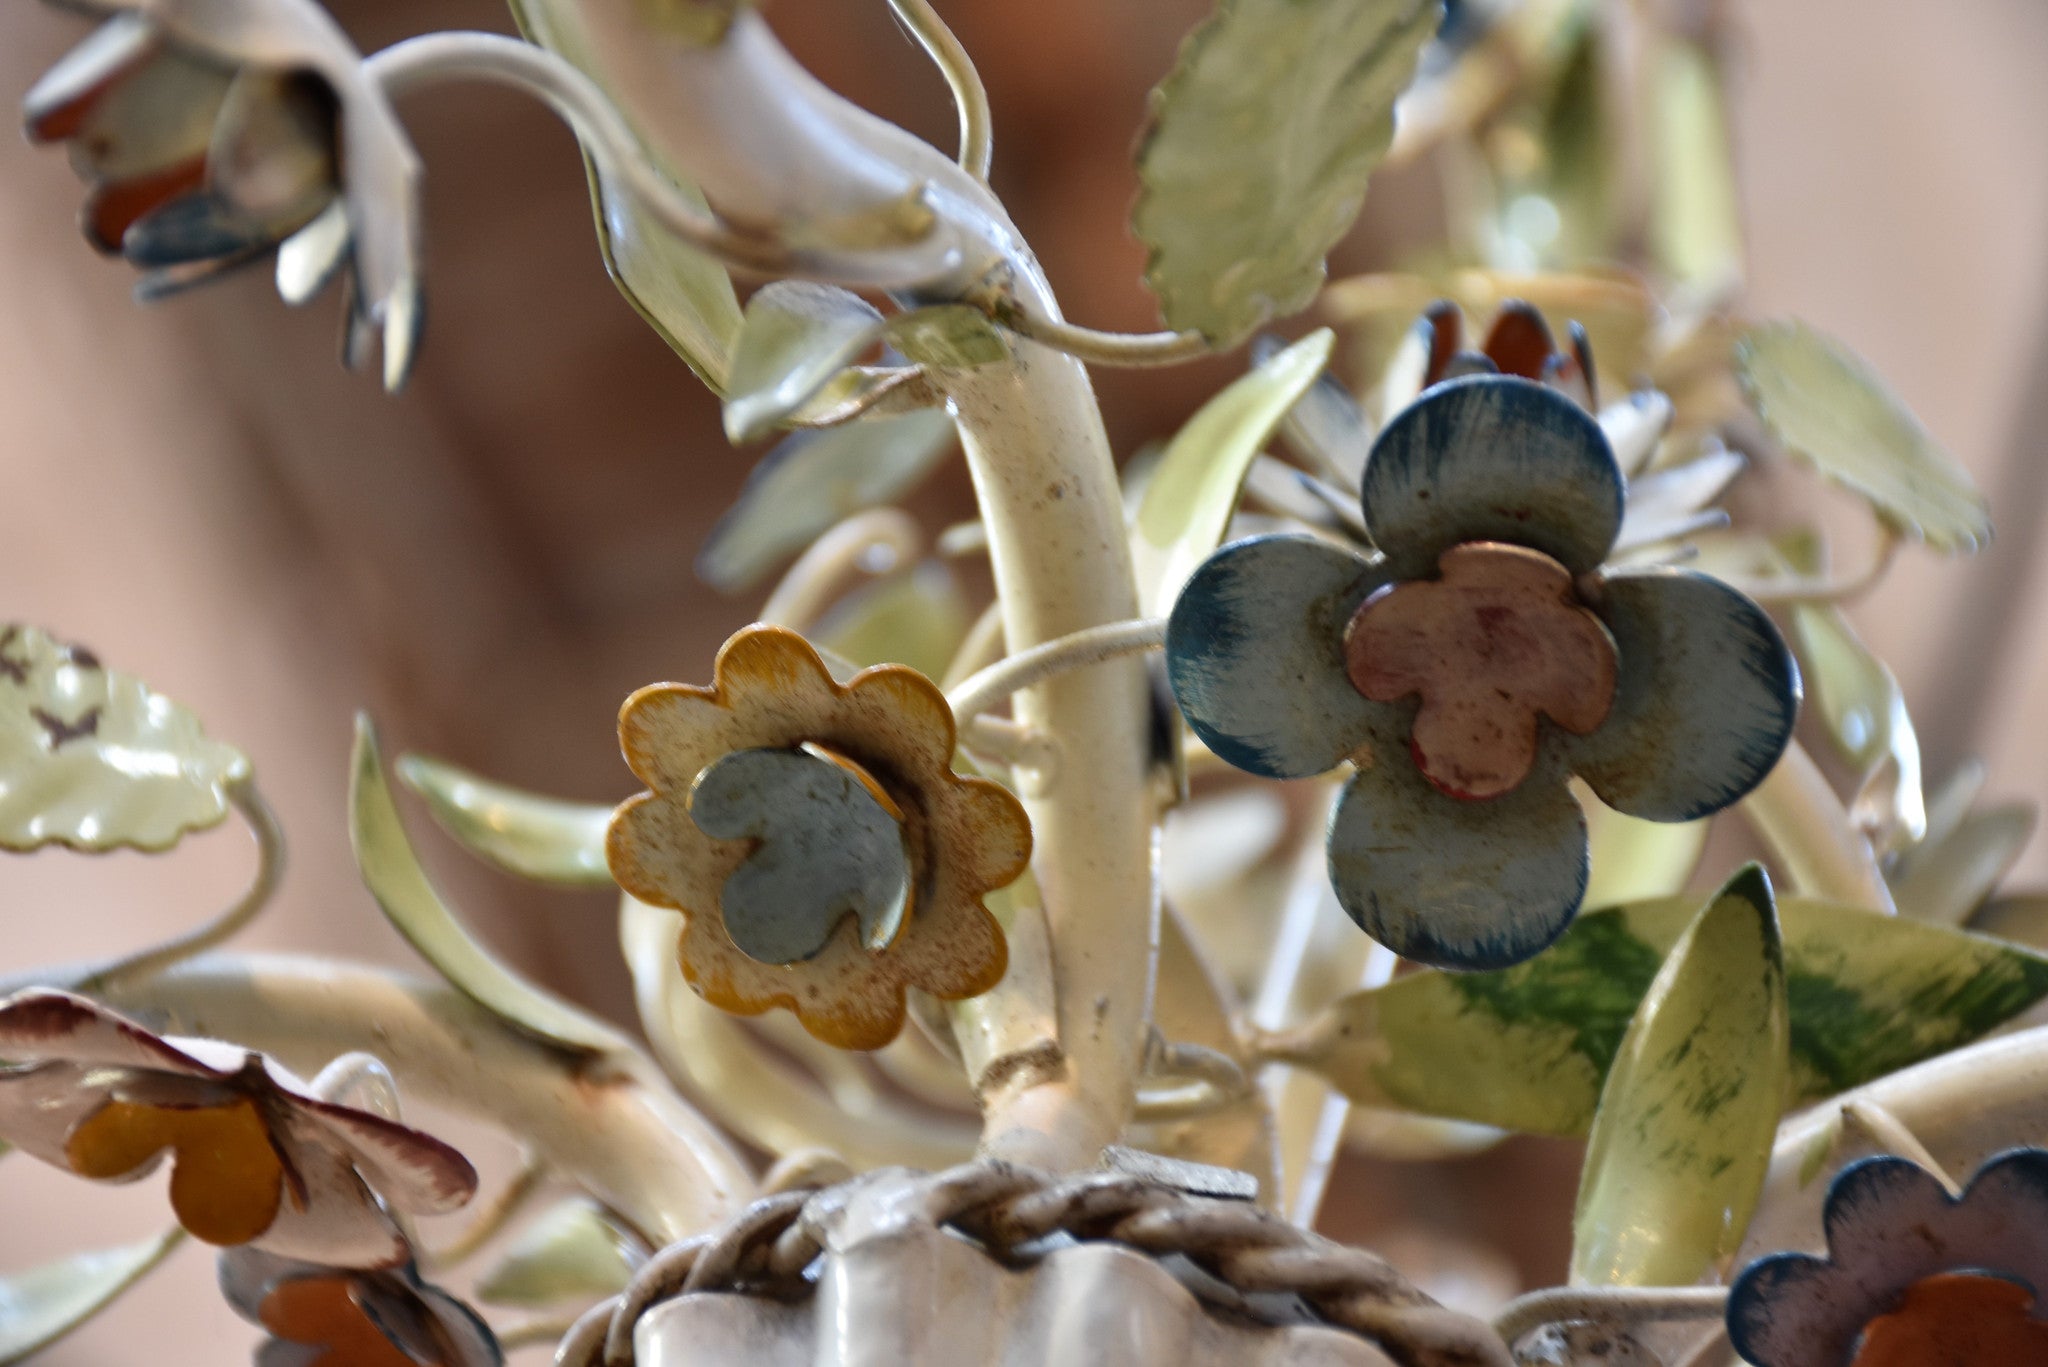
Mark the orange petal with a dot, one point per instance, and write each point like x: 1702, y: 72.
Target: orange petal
x: 322, y: 1311
x: 1957, y: 1320
x: 226, y: 1178
x: 117, y: 204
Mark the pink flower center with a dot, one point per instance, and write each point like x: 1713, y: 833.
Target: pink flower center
x: 1500, y: 637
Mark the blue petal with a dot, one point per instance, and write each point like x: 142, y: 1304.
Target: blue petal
x: 196, y: 227
x: 1492, y: 458
x: 1779, y: 1304
x: 1704, y: 703
x: 1458, y: 884
x: 1255, y: 655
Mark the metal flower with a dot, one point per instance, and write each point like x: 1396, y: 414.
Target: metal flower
x: 1482, y: 657
x: 1913, y: 1276
x: 257, y: 1158
x: 825, y: 856
x: 321, y: 1316
x: 211, y: 133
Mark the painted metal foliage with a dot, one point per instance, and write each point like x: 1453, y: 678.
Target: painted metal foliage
x: 825, y: 856
x: 321, y: 1316
x: 210, y: 134
x: 1478, y: 660
x: 256, y: 1157
x: 93, y: 759
x: 1914, y: 1276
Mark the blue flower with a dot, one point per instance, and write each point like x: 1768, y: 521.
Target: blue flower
x: 1473, y: 665
x: 1908, y: 1266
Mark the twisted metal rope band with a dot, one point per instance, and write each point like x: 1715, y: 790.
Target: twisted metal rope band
x: 769, y: 1248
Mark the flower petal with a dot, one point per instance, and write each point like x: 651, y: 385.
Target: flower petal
x: 1705, y: 701
x: 1783, y: 1312
x: 160, y: 114
x: 412, y: 1170
x: 57, y: 106
x: 1453, y: 883
x: 47, y: 1025
x: 328, y: 1216
x: 39, y: 1107
x: 1492, y: 458
x: 1255, y: 655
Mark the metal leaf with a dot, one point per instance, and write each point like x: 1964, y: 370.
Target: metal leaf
x: 1634, y: 860
x: 684, y: 295
x: 573, y: 1252
x: 1829, y: 407
x: 43, y: 1304
x: 1696, y: 218
x: 918, y: 618
x: 810, y: 480
x: 92, y: 759
x: 392, y: 872
x: 1944, y: 881
x: 542, y: 838
x: 1259, y: 146
x: 796, y: 337
x: 1190, y: 495
x: 1527, y: 1048
x: 1865, y: 713
x: 1682, y: 1140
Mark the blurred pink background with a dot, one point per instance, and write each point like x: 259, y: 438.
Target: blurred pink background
x: 493, y: 560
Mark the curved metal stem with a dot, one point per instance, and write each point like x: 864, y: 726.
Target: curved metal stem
x: 852, y: 544
x: 1607, y: 1306
x: 1127, y: 350
x: 970, y: 96
x: 1028, y: 668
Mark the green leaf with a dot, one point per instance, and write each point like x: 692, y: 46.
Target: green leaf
x: 43, y: 1304
x: 392, y: 872
x: 948, y: 337
x: 93, y: 759
x: 1825, y: 404
x: 1634, y: 860
x: 1527, y: 1048
x: 1257, y: 151
x: 1865, y: 714
x: 1944, y: 881
x: 917, y: 618
x: 1696, y: 224
x: 1190, y: 495
x: 542, y: 838
x: 1681, y: 1143
x: 810, y: 480
x: 571, y: 1253
x: 684, y: 295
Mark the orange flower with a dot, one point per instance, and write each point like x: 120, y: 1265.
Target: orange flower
x: 891, y: 729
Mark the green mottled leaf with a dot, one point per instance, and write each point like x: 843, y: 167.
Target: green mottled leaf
x: 1944, y: 880
x: 684, y: 295
x: 1258, y: 148
x: 1527, y: 1048
x: 93, y: 759
x: 917, y: 618
x: 1828, y: 406
x: 392, y: 872
x: 43, y: 1304
x: 571, y: 1253
x: 1681, y: 1143
x: 1865, y: 714
x: 541, y: 838
x: 1190, y: 495
x: 810, y: 480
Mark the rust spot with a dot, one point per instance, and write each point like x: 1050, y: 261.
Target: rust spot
x: 61, y: 731
x: 16, y: 670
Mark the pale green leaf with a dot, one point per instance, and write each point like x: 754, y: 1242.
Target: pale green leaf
x: 1944, y: 881
x: 1527, y: 1048
x: 1634, y: 860
x: 918, y: 618
x: 1826, y: 404
x: 95, y: 760
x: 810, y: 480
x: 573, y: 1252
x: 43, y: 1304
x: 684, y: 295
x: 1190, y: 495
x: 1696, y: 223
x: 948, y: 337
x: 1865, y: 714
x: 392, y: 872
x: 1681, y: 1143
x: 542, y: 838
x: 1260, y: 141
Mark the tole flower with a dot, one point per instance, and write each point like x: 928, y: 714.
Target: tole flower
x: 322, y: 1316
x: 1479, y: 660
x: 256, y: 1157
x: 823, y: 852
x: 1913, y: 1277
x: 211, y: 133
